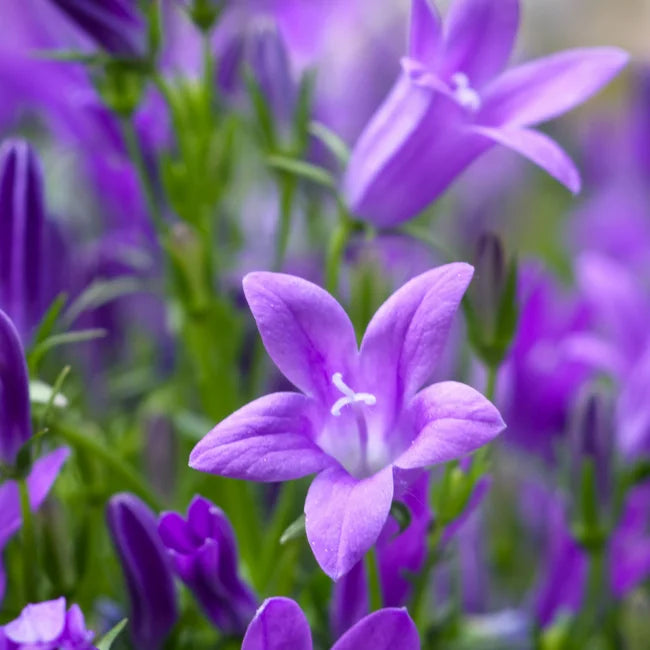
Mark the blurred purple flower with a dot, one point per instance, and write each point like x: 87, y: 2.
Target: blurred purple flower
x: 563, y: 574
x: 40, y: 480
x: 280, y: 624
x: 361, y: 418
x: 451, y: 104
x: 146, y: 568
x: 204, y: 552
x: 15, y: 417
x: 46, y: 626
x: 21, y: 234
x: 115, y: 25
x: 543, y: 372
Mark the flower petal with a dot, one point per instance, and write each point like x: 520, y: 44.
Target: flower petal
x: 15, y: 422
x: 41, y: 623
x: 344, y: 516
x: 545, y: 88
x: 426, y: 28
x: 304, y: 329
x: 452, y: 420
x: 278, y: 625
x: 539, y: 149
x: 383, y: 630
x: 39, y: 483
x: 479, y: 37
x: 405, y: 338
x: 270, y: 439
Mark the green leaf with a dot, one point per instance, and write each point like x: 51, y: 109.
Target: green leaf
x: 58, y: 340
x: 302, y: 169
x: 106, y: 641
x: 48, y: 322
x: 295, y: 530
x: 262, y: 110
x: 303, y: 110
x: 332, y: 141
x: 100, y: 293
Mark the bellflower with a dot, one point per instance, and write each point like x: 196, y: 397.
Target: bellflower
x: 280, y: 624
x: 115, y: 25
x: 146, y: 568
x: 21, y: 234
x: 39, y: 482
x: 452, y: 103
x: 204, y: 552
x: 46, y: 626
x: 15, y: 419
x: 361, y: 421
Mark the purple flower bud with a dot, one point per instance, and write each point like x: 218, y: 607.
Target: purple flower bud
x: 47, y: 625
x: 204, y: 552
x: 266, y: 54
x: 115, y: 25
x: 146, y: 569
x: 15, y: 424
x: 21, y: 234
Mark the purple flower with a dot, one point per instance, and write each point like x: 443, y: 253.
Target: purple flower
x: 115, y: 25
x: 147, y: 570
x: 39, y: 482
x: 47, y: 626
x: 280, y: 624
x: 204, y: 552
x: 15, y: 419
x: 543, y: 373
x: 361, y: 421
x: 451, y: 104
x: 21, y: 234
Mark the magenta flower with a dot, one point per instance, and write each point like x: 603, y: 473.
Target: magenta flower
x: 203, y: 550
x: 451, y: 104
x: 280, y: 624
x: 39, y: 482
x: 46, y: 626
x: 361, y: 418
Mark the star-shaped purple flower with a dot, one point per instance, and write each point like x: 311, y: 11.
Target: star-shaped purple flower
x: 362, y: 419
x: 452, y: 103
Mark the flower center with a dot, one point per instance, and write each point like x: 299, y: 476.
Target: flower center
x: 463, y: 92
x: 349, y: 396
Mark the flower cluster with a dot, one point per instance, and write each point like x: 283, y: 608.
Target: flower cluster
x: 294, y: 354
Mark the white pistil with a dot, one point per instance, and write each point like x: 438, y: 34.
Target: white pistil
x: 464, y: 94
x: 349, y: 396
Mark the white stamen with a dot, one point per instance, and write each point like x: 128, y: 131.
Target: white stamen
x: 465, y: 95
x: 350, y: 397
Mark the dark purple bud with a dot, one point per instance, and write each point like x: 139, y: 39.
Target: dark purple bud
x: 592, y: 434
x: 204, y: 552
x: 47, y: 625
x: 115, y: 25
x: 146, y: 568
x: 15, y: 422
x: 266, y: 55
x: 21, y: 234
x: 489, y: 277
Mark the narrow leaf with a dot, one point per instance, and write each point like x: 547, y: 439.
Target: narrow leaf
x: 332, y: 141
x: 107, y: 640
x: 295, y: 530
x: 302, y: 169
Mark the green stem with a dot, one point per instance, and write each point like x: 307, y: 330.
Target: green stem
x: 491, y: 382
x: 421, y: 585
x: 29, y: 544
x: 287, y: 186
x: 111, y: 461
x: 374, y: 584
x: 137, y: 158
x: 335, y: 250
